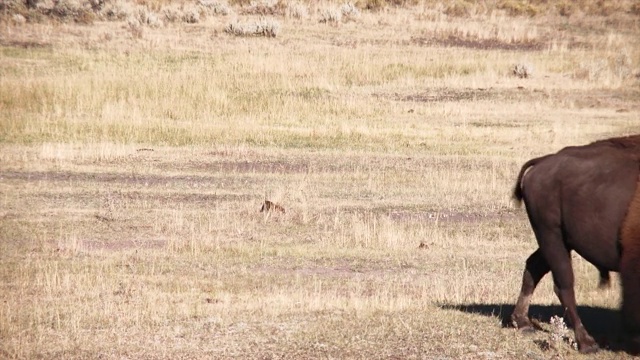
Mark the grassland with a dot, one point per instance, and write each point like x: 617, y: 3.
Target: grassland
x: 134, y: 158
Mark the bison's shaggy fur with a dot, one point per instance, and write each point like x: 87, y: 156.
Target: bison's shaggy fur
x: 578, y: 199
x: 630, y: 272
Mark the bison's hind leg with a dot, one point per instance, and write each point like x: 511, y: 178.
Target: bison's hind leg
x: 605, y: 279
x: 535, y: 269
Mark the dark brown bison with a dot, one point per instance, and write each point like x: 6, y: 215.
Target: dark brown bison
x: 580, y: 198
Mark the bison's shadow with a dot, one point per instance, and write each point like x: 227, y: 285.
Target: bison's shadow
x: 602, y: 323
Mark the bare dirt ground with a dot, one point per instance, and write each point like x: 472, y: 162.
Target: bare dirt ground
x: 244, y: 264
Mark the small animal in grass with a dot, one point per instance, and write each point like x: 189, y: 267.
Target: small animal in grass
x: 269, y: 206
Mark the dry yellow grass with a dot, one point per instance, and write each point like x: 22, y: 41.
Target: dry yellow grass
x: 133, y: 167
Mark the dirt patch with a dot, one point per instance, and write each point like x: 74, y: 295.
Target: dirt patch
x: 480, y: 44
x: 453, y: 95
x: 128, y: 179
x: 452, y: 216
x: 621, y: 100
x: 173, y: 198
x: 403, y: 214
x: 268, y: 167
x: 25, y: 44
x: 120, y: 245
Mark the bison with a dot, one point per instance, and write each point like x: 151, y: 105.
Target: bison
x: 584, y: 199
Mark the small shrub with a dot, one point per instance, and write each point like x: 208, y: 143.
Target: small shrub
x: 264, y: 27
x: 135, y: 28
x: 565, y: 8
x: 349, y: 11
x: 214, y: 7
x: 85, y: 17
x: 459, y: 8
x: 32, y: 4
x: 518, y: 8
x: 271, y: 8
x: 172, y: 14
x: 117, y: 11
x: 153, y: 20
x: 240, y: 3
x: 268, y: 28
x: 191, y: 16
x: 97, y: 5
x: 65, y: 9
x: 373, y: 5
x: 559, y: 333
x: 297, y: 11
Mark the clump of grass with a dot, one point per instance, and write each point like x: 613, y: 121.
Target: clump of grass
x: 272, y: 8
x: 191, y: 15
x: 297, y: 10
x: 522, y: 71
x: 263, y: 27
x: 116, y: 10
x: 147, y: 17
x: 135, y: 27
x: 214, y: 7
x: 518, y: 8
x: 376, y: 5
x: 70, y: 10
x: 459, y: 8
x: 172, y: 14
x: 331, y: 16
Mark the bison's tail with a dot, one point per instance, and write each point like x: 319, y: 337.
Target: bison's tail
x: 517, y: 189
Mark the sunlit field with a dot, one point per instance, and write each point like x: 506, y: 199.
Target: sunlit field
x: 139, y: 141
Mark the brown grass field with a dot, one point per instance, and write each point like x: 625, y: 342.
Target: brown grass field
x: 137, y: 149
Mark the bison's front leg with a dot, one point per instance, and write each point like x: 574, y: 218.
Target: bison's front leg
x: 534, y: 271
x: 562, y: 270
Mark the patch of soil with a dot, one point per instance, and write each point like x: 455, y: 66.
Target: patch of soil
x: 128, y: 179
x: 481, y: 44
x: 245, y: 166
x: 455, y: 95
x: 128, y: 244
x: 621, y: 100
x: 452, y: 216
x: 25, y: 44
x: 191, y: 198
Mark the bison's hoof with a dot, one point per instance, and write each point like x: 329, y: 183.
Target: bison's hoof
x: 586, y: 344
x: 522, y: 323
x: 589, y: 348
